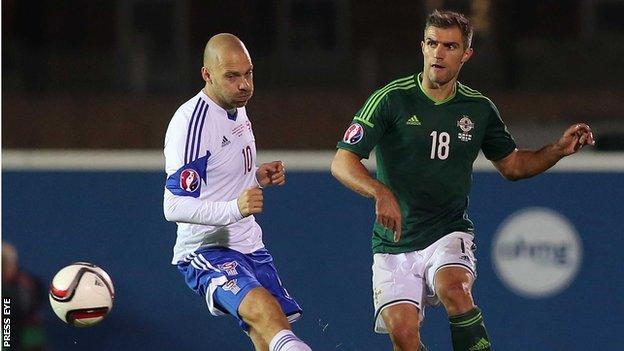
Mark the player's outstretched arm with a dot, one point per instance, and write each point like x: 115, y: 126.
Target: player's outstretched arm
x: 522, y: 164
x: 270, y: 174
x: 349, y: 170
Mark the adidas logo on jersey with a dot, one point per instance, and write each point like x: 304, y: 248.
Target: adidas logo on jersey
x: 413, y: 121
x: 225, y: 141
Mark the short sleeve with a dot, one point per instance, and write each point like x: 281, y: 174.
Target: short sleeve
x: 367, y: 127
x: 498, y: 142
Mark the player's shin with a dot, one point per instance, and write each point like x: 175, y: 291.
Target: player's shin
x: 468, y: 332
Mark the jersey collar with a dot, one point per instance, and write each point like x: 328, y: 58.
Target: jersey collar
x: 435, y: 102
x: 230, y: 116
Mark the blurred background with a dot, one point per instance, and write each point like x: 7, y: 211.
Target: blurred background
x: 86, y: 81
x: 119, y: 69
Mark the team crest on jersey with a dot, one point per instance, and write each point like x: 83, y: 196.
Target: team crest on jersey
x: 354, y: 134
x: 229, y: 267
x: 189, y: 180
x: 231, y: 286
x: 465, y: 125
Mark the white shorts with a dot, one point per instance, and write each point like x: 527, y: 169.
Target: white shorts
x: 410, y: 277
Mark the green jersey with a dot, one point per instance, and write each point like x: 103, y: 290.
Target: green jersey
x: 425, y: 150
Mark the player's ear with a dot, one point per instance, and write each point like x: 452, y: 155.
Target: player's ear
x: 467, y: 55
x: 206, y: 74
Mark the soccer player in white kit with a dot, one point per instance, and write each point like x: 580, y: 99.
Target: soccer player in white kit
x: 213, y: 189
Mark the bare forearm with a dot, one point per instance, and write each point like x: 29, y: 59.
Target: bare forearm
x: 349, y: 170
x: 529, y: 163
x: 536, y: 162
x: 352, y: 173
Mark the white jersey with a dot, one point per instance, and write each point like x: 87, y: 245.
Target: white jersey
x: 209, y: 159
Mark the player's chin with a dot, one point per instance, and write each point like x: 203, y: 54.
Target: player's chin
x: 440, y: 78
x: 241, y: 101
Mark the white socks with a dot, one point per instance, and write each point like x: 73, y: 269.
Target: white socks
x: 285, y: 340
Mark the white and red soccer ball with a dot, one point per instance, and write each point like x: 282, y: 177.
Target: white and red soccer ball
x: 82, y: 294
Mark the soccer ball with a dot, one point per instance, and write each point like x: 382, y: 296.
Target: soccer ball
x: 81, y: 294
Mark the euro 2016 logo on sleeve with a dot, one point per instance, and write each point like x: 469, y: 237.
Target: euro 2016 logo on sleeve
x: 189, y: 180
x: 537, y: 252
x: 354, y: 134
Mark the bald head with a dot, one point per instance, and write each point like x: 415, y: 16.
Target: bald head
x: 222, y: 45
x: 227, y: 71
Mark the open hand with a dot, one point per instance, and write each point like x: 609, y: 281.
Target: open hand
x: 574, y: 138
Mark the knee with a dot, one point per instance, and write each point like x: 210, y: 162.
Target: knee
x: 405, y: 336
x: 260, y: 308
x: 456, y: 297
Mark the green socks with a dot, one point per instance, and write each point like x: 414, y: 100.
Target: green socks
x: 468, y: 332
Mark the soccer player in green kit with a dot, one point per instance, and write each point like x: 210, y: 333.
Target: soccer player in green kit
x: 427, y: 130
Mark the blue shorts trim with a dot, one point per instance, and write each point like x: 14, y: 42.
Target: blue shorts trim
x: 225, y: 276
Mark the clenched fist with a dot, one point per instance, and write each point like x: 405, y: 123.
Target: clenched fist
x: 270, y: 174
x: 250, y: 201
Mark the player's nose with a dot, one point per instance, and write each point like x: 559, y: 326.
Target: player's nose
x: 245, y: 84
x: 438, y: 52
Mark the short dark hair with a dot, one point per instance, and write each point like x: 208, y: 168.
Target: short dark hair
x: 448, y: 19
